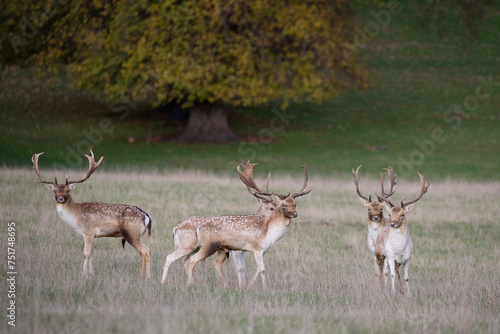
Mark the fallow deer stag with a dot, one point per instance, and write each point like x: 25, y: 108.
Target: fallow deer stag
x: 251, y: 233
x: 186, y: 242
x: 376, y: 220
x: 394, y: 242
x: 95, y: 220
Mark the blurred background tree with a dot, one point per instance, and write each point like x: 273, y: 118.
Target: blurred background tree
x: 203, y: 55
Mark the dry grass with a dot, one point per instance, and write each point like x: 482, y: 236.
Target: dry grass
x: 320, y: 274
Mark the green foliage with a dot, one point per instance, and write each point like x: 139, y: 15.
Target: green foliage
x: 210, y: 51
x: 414, y: 82
x: 463, y: 18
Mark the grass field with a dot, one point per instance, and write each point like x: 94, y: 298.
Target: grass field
x: 320, y: 274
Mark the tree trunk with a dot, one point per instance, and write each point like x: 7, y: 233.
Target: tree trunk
x: 208, y: 124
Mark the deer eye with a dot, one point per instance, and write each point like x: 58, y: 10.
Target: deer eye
x: 271, y: 209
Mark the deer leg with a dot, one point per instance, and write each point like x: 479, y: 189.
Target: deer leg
x: 87, y: 255
x: 179, y: 253
x: 91, y: 267
x: 145, y: 254
x: 407, y: 278
x: 219, y: 260
x: 147, y: 257
x: 185, y: 262
x: 397, y: 265
x: 386, y: 271
x: 375, y: 263
x: 202, y: 254
x: 141, y: 271
x: 392, y: 267
x: 239, y: 263
x: 259, y: 259
x: 91, y: 258
x: 381, y: 260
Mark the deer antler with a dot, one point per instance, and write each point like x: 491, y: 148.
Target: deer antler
x: 423, y: 190
x: 304, y: 186
x: 355, y: 173
x: 34, y: 159
x: 385, y: 196
x: 246, y: 176
x: 92, y: 167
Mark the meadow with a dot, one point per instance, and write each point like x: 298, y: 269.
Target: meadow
x: 320, y: 274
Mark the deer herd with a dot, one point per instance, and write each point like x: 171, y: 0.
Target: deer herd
x: 197, y: 238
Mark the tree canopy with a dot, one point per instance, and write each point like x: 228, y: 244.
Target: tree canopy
x: 214, y: 52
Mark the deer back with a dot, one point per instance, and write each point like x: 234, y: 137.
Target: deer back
x: 104, y: 220
x: 233, y: 231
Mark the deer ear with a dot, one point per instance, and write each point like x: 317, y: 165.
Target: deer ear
x: 260, y: 201
x: 50, y: 187
x: 364, y: 201
x: 275, y: 198
x: 386, y: 206
x: 409, y: 208
x: 72, y: 186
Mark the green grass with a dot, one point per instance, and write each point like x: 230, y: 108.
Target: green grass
x: 320, y: 275
x: 415, y: 77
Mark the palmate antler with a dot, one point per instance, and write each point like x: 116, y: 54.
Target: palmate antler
x: 246, y: 176
x: 92, y: 167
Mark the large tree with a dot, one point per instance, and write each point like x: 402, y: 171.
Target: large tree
x: 204, y: 54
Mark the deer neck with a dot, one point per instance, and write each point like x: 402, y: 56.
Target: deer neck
x: 404, y: 229
x: 276, y: 221
x: 69, y: 212
x: 279, y: 219
x: 275, y: 227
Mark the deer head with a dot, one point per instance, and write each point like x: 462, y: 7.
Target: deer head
x: 375, y: 208
x: 61, y: 191
x: 266, y: 208
x: 285, y: 204
x: 397, y: 214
